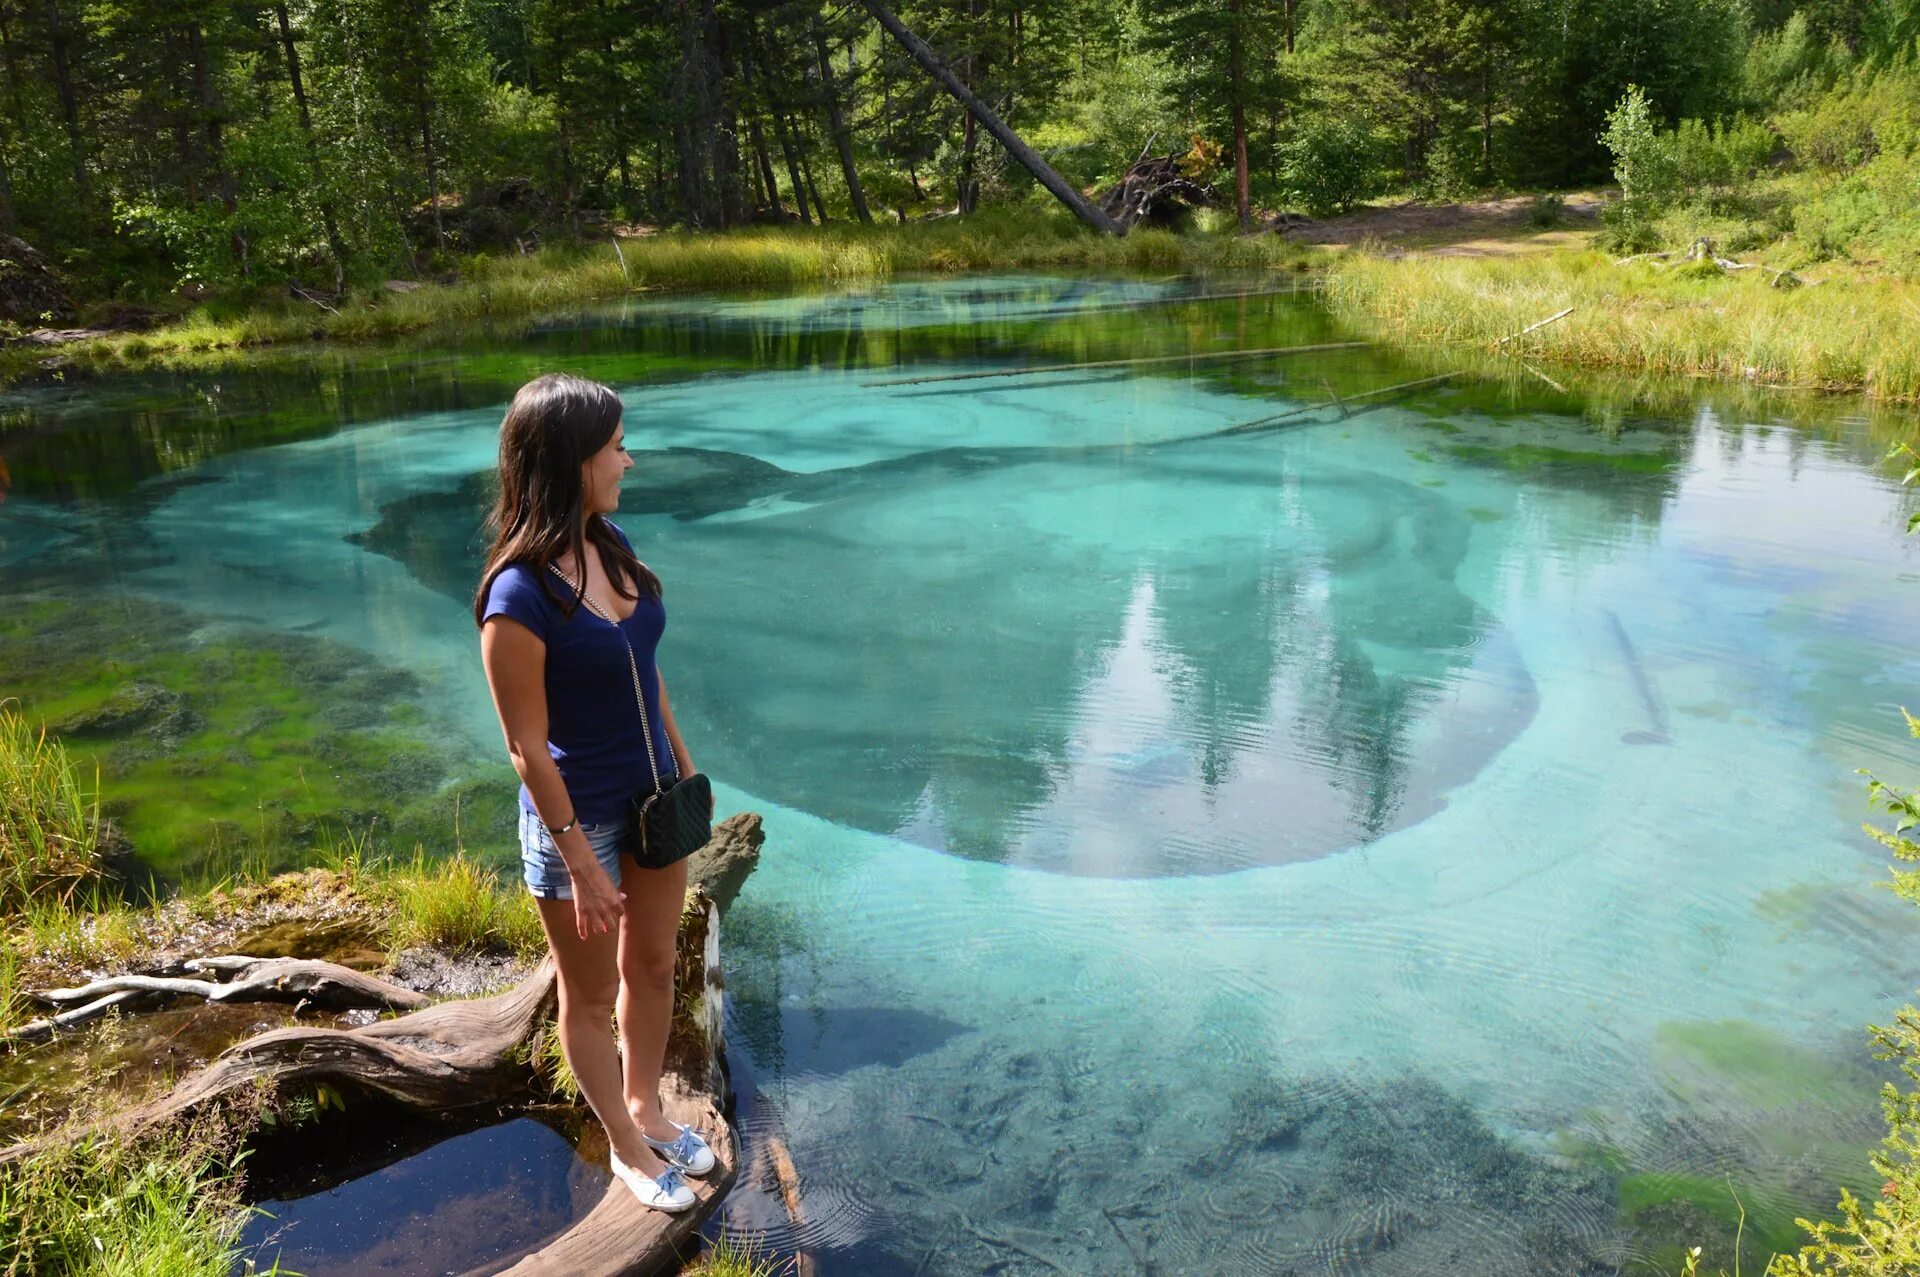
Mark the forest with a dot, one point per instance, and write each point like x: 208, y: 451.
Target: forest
x: 155, y: 149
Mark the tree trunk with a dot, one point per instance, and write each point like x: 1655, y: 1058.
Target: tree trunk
x: 757, y: 137
x: 806, y: 171
x: 724, y: 142
x: 1237, y: 71
x: 7, y: 223
x: 837, y: 123
x: 782, y: 126
x: 335, y: 244
x: 1287, y: 12
x: 792, y: 158
x: 1043, y: 172
x: 69, y: 107
x: 969, y: 183
x: 433, y: 169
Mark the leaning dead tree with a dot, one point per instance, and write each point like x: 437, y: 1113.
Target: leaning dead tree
x: 1043, y: 172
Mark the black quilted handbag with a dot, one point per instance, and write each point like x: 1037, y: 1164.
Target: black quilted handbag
x: 676, y: 819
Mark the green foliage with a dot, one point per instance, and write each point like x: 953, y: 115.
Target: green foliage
x: 1643, y: 165
x: 1329, y: 166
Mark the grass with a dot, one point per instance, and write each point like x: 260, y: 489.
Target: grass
x: 515, y: 288
x: 730, y: 1256
x: 168, y: 1206
x: 456, y: 904
x: 49, y: 823
x: 1852, y: 332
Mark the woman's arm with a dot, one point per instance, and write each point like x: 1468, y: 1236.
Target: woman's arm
x: 516, y: 663
x: 681, y: 759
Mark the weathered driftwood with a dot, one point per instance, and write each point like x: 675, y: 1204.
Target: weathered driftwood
x: 460, y: 1053
x: 1550, y: 319
x: 721, y: 867
x: 303, y: 980
x: 1704, y: 250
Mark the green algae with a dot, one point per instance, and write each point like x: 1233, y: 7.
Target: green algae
x: 222, y: 747
x: 1739, y: 1060
x: 1538, y: 457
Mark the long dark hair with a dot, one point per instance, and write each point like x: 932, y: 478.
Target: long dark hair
x: 552, y: 426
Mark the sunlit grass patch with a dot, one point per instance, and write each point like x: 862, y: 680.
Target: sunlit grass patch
x: 511, y: 288
x: 457, y: 904
x: 1846, y: 333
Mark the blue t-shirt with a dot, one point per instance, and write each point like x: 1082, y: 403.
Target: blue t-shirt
x: 593, y: 725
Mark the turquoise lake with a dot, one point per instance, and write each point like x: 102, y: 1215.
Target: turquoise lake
x: 1418, y: 837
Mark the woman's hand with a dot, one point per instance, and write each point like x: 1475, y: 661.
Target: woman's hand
x: 597, y: 903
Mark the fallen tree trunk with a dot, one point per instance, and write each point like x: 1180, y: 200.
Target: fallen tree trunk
x: 466, y: 1052
x: 1029, y: 159
x: 446, y: 1056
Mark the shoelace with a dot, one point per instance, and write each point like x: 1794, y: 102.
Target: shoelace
x: 670, y: 1180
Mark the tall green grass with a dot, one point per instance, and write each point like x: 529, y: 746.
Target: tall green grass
x: 454, y: 903
x: 1848, y: 333
x: 49, y: 821
x: 169, y: 1206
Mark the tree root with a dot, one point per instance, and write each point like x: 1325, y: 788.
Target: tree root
x: 305, y: 981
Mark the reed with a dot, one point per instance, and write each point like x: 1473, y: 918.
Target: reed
x: 733, y: 1256
x: 1850, y: 332
x: 49, y: 821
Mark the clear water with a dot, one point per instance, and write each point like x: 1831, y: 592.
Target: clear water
x: 1418, y: 841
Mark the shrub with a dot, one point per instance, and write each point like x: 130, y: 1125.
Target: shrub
x: 1329, y: 165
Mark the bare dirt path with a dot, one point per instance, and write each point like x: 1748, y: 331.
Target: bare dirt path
x: 1482, y: 228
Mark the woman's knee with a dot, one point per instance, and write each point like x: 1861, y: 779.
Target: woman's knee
x: 592, y: 996
x: 647, y: 965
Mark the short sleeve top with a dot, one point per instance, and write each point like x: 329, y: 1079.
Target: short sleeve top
x: 593, y: 725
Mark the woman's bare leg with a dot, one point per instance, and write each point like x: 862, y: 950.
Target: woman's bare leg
x: 589, y: 986
x: 649, y: 937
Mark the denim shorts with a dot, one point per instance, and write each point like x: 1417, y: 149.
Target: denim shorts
x: 540, y: 864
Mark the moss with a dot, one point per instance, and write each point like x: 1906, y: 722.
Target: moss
x: 1742, y: 1061
x: 249, y: 746
x: 1681, y: 1211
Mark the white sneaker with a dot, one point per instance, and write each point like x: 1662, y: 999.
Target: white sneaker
x: 685, y: 1152
x: 668, y: 1192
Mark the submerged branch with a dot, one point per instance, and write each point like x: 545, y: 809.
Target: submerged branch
x: 1121, y: 363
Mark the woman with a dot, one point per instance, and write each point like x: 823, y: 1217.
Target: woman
x: 560, y: 588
